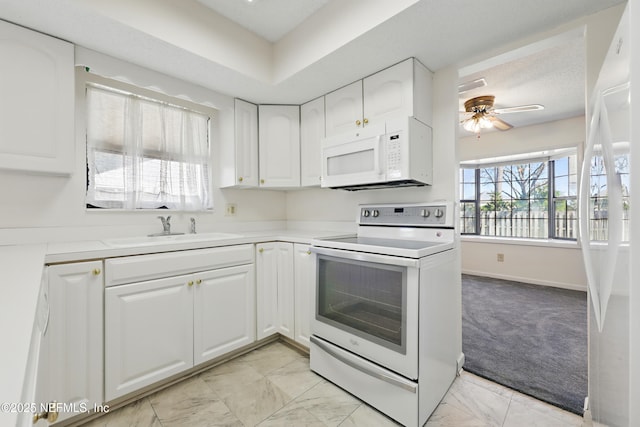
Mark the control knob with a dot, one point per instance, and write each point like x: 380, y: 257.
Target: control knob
x: 425, y: 213
x: 375, y: 213
x: 365, y: 213
x: 438, y: 213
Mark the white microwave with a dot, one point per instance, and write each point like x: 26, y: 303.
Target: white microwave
x: 397, y: 153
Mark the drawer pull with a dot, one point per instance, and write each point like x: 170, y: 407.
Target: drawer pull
x: 96, y: 271
x: 199, y: 281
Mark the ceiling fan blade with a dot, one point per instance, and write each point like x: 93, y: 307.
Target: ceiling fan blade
x: 499, y: 124
x: 470, y: 85
x: 519, y: 109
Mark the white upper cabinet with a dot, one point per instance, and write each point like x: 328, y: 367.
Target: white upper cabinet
x: 279, y: 142
x: 344, y: 109
x: 37, y: 102
x: 402, y: 90
x: 239, y: 162
x: 311, y: 134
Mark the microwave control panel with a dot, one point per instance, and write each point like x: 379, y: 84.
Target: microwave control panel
x: 394, y: 155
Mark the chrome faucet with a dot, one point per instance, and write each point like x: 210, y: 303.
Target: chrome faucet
x: 192, y: 230
x: 166, y: 224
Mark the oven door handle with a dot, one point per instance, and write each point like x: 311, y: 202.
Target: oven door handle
x: 379, y: 374
x: 366, y: 257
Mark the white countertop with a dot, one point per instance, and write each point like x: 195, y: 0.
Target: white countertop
x: 97, y: 249
x: 21, y: 268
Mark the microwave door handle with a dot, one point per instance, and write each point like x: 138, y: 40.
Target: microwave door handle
x: 380, y: 162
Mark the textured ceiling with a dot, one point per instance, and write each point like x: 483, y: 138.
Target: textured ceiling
x: 553, y: 77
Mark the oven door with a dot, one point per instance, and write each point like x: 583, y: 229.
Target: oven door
x: 368, y: 304
x: 354, y: 159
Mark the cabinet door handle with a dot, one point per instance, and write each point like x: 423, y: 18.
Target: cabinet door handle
x: 366, y: 121
x: 261, y: 250
x: 51, y: 415
x: 96, y: 271
x: 262, y: 181
x: 308, y: 252
x: 358, y: 122
x: 198, y: 281
x: 190, y: 283
x: 240, y: 179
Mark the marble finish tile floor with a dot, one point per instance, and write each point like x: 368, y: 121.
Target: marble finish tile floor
x: 273, y: 386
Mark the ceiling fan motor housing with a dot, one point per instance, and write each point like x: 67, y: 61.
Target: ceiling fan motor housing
x: 479, y: 104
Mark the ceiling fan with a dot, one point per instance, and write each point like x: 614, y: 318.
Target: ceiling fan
x: 482, y: 115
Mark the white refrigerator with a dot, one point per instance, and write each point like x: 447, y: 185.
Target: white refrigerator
x: 605, y: 212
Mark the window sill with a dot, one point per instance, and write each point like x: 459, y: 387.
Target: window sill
x: 550, y: 243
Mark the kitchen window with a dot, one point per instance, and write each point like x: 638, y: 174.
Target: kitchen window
x: 535, y: 199
x: 146, y: 153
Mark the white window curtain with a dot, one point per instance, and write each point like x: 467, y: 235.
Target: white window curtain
x: 145, y: 154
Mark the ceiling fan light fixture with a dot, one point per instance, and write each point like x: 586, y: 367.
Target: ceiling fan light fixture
x: 476, y: 123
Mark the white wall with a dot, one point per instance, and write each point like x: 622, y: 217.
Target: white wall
x: 544, y: 265
x: 37, y: 208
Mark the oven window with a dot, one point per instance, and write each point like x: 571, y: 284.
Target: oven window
x: 364, y: 298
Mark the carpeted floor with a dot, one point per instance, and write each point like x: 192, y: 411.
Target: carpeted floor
x: 527, y: 337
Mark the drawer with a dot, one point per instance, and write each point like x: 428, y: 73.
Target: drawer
x: 139, y: 268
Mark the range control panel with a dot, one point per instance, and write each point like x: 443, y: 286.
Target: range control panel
x: 411, y: 215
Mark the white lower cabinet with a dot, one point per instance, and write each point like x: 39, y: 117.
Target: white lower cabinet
x: 158, y: 328
x: 70, y: 362
x: 148, y: 333
x: 285, y: 286
x: 224, y: 312
x: 274, y: 289
x: 304, y: 292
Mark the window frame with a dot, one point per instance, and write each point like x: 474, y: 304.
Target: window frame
x: 551, y: 198
x: 85, y: 78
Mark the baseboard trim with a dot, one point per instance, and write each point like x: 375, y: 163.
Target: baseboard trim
x: 561, y: 285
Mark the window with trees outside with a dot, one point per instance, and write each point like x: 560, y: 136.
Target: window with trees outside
x: 145, y: 152
x: 534, y: 199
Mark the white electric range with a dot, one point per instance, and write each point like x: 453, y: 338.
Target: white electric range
x: 387, y: 308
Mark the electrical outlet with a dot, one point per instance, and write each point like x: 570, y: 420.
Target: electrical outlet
x: 500, y: 257
x: 231, y: 210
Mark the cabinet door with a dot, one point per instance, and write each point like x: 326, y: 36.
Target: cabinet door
x: 311, y: 134
x: 266, y: 289
x: 148, y: 333
x: 37, y: 102
x: 224, y: 311
x: 246, y: 141
x: 389, y: 93
x: 285, y: 289
x: 344, y: 109
x: 304, y: 292
x: 279, y: 145
x: 73, y: 337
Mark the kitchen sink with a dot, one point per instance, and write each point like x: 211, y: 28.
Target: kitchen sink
x: 167, y: 238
